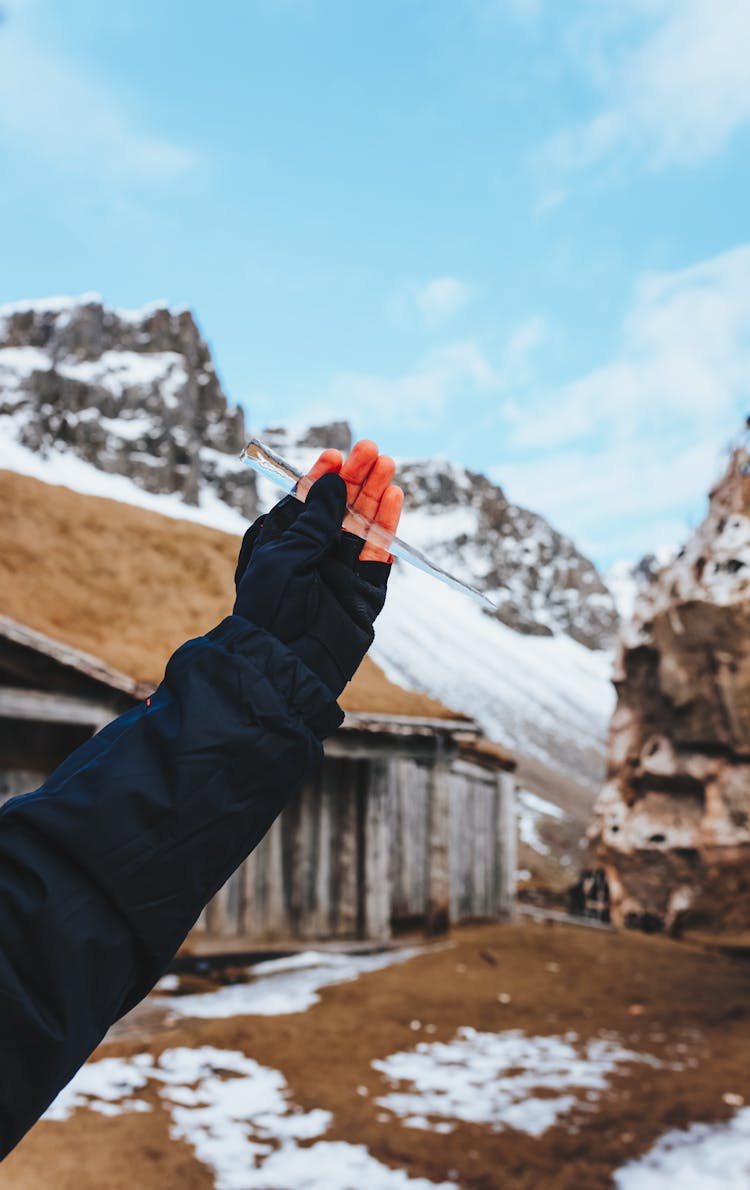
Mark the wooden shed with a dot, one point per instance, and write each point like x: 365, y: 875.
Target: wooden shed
x: 409, y: 822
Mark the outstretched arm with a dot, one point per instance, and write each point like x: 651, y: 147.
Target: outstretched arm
x: 105, y: 868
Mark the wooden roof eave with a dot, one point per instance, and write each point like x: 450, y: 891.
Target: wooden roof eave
x: 71, y: 658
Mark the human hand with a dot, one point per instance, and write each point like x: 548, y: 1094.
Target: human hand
x: 316, y: 587
x: 369, y: 490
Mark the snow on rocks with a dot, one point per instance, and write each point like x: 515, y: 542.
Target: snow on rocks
x: 530, y: 809
x: 135, y: 393
x: 702, y: 1157
x: 503, y: 1080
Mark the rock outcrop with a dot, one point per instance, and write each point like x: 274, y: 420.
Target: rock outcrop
x: 539, y: 581
x: 132, y: 392
x: 672, y: 823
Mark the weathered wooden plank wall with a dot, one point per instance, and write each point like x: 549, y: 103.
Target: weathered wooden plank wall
x: 407, y: 814
x: 373, y: 844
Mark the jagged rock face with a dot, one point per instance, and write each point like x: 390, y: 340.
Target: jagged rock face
x: 539, y: 581
x: 134, y: 393
x: 673, y: 818
x: 306, y: 444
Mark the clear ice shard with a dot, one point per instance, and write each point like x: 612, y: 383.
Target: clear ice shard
x: 266, y: 462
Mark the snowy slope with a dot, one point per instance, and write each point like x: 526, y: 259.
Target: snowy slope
x: 67, y: 469
x: 549, y: 697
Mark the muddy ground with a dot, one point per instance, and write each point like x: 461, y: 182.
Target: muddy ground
x: 675, y: 1000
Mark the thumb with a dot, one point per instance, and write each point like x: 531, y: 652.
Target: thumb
x: 319, y: 523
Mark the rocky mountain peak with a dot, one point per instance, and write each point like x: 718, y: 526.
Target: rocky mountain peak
x: 131, y: 392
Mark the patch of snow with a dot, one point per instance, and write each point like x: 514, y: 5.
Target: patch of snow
x: 702, y: 1157
x: 105, y: 1087
x: 168, y: 983
x: 20, y: 362
x: 530, y: 808
x: 335, y: 1165
x: 143, y: 312
x: 285, y: 985
x: 628, y: 580
x: 62, y: 467
x: 129, y: 428
x: 425, y: 526
x: 495, y: 1079
x: 49, y: 305
x: 123, y: 371
x: 539, y: 805
x: 237, y: 1117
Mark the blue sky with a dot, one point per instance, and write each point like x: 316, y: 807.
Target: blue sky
x: 512, y: 232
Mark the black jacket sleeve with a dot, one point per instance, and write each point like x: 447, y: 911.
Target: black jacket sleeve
x: 104, y: 869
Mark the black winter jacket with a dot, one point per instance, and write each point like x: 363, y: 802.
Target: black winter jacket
x: 104, y: 869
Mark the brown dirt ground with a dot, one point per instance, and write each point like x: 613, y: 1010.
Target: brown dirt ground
x: 671, y: 999
x: 130, y: 585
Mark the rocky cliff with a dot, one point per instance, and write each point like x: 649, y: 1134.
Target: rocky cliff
x: 537, y: 578
x: 131, y: 392
x: 672, y: 823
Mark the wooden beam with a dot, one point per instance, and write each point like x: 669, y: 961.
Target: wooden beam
x: 17, y: 702
x: 380, y: 747
x: 506, y: 843
x: 365, y: 721
x: 438, y: 848
x: 377, y: 900
x: 76, y: 659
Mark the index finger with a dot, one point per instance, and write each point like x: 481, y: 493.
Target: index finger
x: 327, y: 460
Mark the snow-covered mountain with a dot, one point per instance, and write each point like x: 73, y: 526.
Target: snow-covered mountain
x: 128, y: 404
x: 133, y: 392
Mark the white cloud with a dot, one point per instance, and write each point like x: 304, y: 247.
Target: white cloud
x: 450, y: 376
x: 451, y: 372
x: 52, y: 110
x: 641, y: 436
x: 523, y: 342
x: 674, y: 80
x: 620, y: 500
x: 435, y: 302
x: 684, y: 357
x: 440, y: 299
